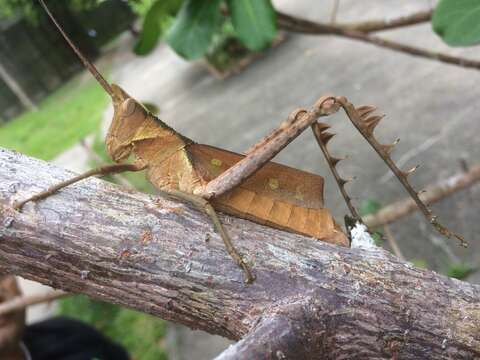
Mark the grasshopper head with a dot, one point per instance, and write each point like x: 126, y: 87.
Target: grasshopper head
x: 128, y: 113
x: 128, y: 116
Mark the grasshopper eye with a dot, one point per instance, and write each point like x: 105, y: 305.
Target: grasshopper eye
x: 128, y: 107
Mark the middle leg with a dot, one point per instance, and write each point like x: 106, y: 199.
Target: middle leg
x: 206, y: 207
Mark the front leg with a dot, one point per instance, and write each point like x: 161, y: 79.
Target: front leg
x: 102, y: 170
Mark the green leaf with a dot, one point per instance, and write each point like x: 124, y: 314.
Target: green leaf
x: 377, y: 238
x: 457, y: 22
x: 254, y: 21
x: 369, y: 207
x: 420, y: 263
x: 194, y: 26
x: 154, y: 24
x: 459, y: 271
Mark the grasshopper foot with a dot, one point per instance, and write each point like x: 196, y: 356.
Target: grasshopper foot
x: 18, y: 205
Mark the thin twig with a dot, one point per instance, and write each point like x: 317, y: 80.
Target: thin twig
x: 333, y: 14
x: 393, y: 242
x: 432, y: 194
x: 380, y: 25
x: 21, y: 302
x: 412, y: 50
x: 297, y: 24
x: 294, y: 24
x: 368, y: 26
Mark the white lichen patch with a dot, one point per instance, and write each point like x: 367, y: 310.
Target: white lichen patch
x: 361, y: 238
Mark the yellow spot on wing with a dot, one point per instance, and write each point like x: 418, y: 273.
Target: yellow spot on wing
x: 298, y: 193
x: 273, y: 183
x: 216, y: 162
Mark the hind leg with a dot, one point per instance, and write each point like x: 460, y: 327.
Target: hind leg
x: 365, y: 122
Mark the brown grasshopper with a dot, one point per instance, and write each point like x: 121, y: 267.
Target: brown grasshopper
x: 248, y: 186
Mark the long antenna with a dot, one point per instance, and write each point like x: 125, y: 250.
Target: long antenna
x: 84, y: 60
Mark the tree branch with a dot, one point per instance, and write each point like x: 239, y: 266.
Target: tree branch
x: 21, y: 302
x: 392, y: 242
x: 150, y: 254
x: 381, y: 25
x: 276, y: 337
x: 360, y: 32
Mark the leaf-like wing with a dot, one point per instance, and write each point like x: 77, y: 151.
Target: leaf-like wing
x: 276, y: 195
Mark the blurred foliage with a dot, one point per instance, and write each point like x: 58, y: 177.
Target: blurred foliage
x: 460, y: 271
x: 157, y: 18
x: 190, y: 25
x: 141, y: 7
x: 420, y: 263
x: 140, y: 334
x: 377, y: 237
x: 194, y: 26
x: 225, y: 49
x: 64, y: 117
x: 369, y: 207
x: 30, y: 8
x: 457, y: 22
x: 254, y: 21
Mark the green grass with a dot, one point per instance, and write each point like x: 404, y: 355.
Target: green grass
x: 63, y: 118
x: 139, y: 333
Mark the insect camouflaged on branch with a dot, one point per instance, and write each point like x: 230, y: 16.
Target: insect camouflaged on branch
x: 247, y: 186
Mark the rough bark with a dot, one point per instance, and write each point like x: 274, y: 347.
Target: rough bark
x: 311, y: 300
